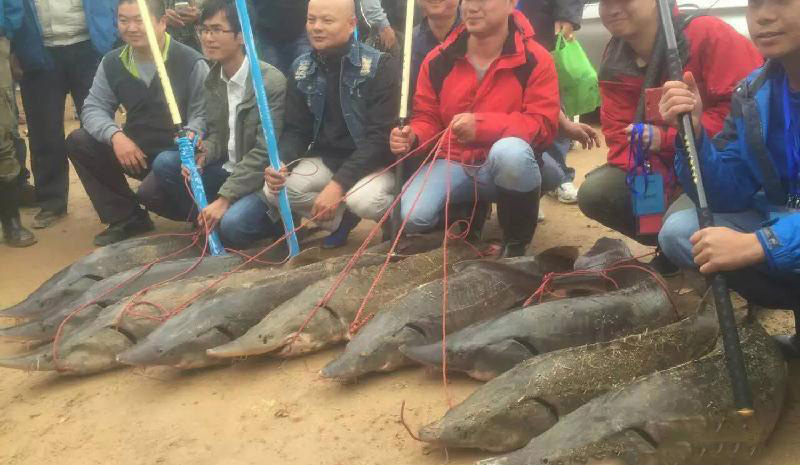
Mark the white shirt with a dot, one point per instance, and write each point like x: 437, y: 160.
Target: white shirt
x: 63, y: 22
x: 236, y: 86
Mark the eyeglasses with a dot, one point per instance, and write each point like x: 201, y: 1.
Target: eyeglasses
x: 212, y: 31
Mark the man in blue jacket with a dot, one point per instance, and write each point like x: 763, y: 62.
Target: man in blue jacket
x: 59, y: 45
x: 751, y: 172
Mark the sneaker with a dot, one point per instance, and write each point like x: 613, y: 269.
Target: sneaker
x: 567, y: 193
x: 46, y: 218
x: 136, y: 224
x: 661, y: 264
x: 540, y: 217
x: 338, y: 238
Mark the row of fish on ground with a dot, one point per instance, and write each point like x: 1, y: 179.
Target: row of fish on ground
x: 603, y: 367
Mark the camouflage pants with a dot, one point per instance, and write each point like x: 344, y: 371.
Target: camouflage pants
x: 9, y: 166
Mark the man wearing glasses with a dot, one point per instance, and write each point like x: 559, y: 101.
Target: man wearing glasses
x: 233, y: 155
x: 103, y: 152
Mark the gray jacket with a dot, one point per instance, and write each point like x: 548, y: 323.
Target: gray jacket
x: 251, y: 154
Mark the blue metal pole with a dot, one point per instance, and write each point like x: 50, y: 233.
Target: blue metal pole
x: 186, y: 151
x: 266, y: 122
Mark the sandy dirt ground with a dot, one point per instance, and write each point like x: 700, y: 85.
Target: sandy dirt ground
x: 257, y: 411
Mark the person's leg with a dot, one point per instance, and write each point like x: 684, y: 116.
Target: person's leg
x: 551, y: 172
x: 606, y: 198
x: 271, y: 52
x: 43, y: 97
x: 372, y: 196
x: 102, y: 177
x: 14, y: 233
x: 248, y: 221
x: 168, y: 177
x: 680, y: 226
x: 80, y: 68
x: 423, y: 201
x: 303, y: 186
x: 558, y: 151
x: 512, y: 172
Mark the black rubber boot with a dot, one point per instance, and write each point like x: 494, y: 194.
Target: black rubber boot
x: 517, y: 213
x: 462, y: 212
x: 14, y: 233
x: 789, y: 344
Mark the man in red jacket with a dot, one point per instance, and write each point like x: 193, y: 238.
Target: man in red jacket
x: 495, y: 92
x: 718, y: 55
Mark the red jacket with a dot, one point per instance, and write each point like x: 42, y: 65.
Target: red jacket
x: 719, y: 57
x: 518, y: 96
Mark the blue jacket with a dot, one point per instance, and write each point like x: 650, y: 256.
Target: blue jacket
x: 28, y: 45
x: 10, y: 17
x: 739, y: 172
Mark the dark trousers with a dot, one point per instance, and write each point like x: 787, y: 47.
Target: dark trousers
x: 605, y: 197
x: 19, y: 143
x: 43, y: 96
x: 103, y: 177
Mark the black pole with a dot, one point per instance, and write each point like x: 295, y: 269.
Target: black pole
x: 734, y: 359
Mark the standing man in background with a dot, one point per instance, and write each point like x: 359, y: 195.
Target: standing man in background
x: 280, y: 30
x: 550, y: 18
x: 182, y: 17
x: 14, y: 234
x: 59, y: 45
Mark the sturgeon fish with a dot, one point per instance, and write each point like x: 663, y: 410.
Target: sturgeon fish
x: 110, y: 290
x: 477, y: 290
x: 183, y: 340
x: 485, y: 350
x: 72, y: 281
x: 278, y: 331
x: 684, y: 415
x: 524, y: 402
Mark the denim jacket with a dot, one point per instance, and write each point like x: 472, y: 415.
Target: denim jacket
x: 358, y: 67
x: 28, y: 45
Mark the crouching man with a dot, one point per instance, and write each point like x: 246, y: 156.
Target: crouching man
x: 341, y: 104
x: 751, y: 172
x: 233, y: 156
x: 496, y: 92
x: 102, y: 152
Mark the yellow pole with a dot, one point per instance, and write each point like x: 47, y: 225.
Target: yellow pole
x: 406, y: 80
x: 159, y: 60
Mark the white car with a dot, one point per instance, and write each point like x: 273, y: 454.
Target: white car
x: 593, y: 36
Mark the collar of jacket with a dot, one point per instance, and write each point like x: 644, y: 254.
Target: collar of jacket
x: 519, y: 31
x: 215, y: 85
x: 308, y: 64
x: 128, y: 61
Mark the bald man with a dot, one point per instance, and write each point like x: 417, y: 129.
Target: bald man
x: 341, y: 104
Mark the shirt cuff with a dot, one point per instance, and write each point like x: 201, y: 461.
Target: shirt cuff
x: 108, y: 133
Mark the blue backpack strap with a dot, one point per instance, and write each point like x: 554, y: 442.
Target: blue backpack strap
x: 773, y: 188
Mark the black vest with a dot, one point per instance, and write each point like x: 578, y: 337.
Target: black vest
x: 148, y: 121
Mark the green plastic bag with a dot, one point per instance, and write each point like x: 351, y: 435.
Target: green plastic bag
x: 577, y: 79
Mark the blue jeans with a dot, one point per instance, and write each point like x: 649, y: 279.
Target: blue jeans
x: 680, y: 226
x: 282, y: 54
x: 168, y: 176
x: 248, y: 221
x: 558, y: 152
x: 511, y: 165
x: 759, y: 284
